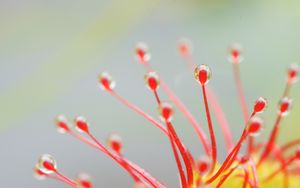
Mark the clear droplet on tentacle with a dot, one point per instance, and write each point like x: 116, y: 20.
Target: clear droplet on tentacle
x: 165, y: 111
x: 47, y: 164
x: 284, y: 106
x: 62, y: 124
x: 235, y: 54
x: 81, y: 124
x: 255, y: 126
x: 293, y: 73
x: 260, y: 105
x: 202, y: 74
x: 106, y: 82
x: 83, y: 180
x: 152, y: 81
x: 185, y: 47
x: 141, y: 53
x: 115, y: 143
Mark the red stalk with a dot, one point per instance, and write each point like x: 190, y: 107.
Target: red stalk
x: 254, y: 174
x: 272, y: 139
x: 287, y: 89
x: 184, y: 154
x: 65, y: 179
x: 221, y: 119
x: 58, y: 178
x: 242, y: 100
x: 246, y: 178
x: 228, y: 161
x: 251, y: 183
x: 250, y: 148
x: 132, y: 174
x: 156, y: 97
x: 211, y: 131
x: 179, y: 166
x: 240, y: 91
x: 139, y: 111
x: 226, y: 176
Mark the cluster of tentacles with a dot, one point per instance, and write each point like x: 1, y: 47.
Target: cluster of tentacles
x: 265, y: 164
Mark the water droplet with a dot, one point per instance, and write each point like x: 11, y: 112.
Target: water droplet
x: 235, y: 52
x: 284, y: 106
x: 166, y: 111
x: 141, y: 53
x: 106, y: 81
x: 152, y: 80
x: 114, y: 142
x: 47, y: 164
x: 184, y: 47
x: 81, y: 124
x: 62, y: 124
x: 255, y: 126
x: 202, y: 74
x: 260, y: 105
x: 83, y: 180
x: 293, y: 73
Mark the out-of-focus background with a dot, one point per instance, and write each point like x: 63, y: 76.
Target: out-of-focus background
x: 52, y: 51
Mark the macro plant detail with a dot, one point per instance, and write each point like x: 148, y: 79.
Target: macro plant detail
x: 260, y: 164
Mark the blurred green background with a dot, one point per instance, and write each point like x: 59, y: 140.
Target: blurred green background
x: 52, y: 51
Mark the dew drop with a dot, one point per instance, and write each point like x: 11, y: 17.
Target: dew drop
x: 62, y: 124
x: 106, y: 81
x: 260, y: 105
x: 115, y: 142
x: 255, y: 126
x: 235, y: 52
x: 84, y: 181
x: 152, y: 80
x: 184, y: 47
x: 141, y: 53
x: 81, y: 124
x: 202, y: 74
x: 284, y: 106
x: 293, y: 73
x: 47, y: 164
x: 166, y: 111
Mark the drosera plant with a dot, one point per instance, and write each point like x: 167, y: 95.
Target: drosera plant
x: 262, y: 164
